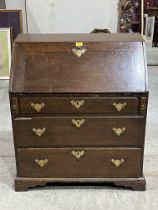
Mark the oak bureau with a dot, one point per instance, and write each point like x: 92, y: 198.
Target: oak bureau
x: 78, y: 105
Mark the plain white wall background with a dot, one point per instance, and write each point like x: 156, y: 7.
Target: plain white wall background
x: 67, y: 16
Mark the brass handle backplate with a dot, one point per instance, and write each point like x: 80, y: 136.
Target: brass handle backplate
x: 41, y: 162
x: 39, y: 131
x: 38, y: 107
x: 118, y: 131
x: 78, y: 51
x: 77, y: 104
x: 119, y: 106
x: 117, y: 163
x: 78, y: 123
x: 78, y: 154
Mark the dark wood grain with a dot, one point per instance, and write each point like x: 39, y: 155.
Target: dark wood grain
x: 94, y: 163
x: 95, y: 131
x: 112, y: 70
x: 46, y: 38
x: 100, y: 105
x: 23, y: 184
x: 55, y: 69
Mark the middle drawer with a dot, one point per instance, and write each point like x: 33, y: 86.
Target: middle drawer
x: 79, y: 131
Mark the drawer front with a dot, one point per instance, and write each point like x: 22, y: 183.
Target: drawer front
x: 83, y: 130
x: 116, y: 105
x: 79, y: 162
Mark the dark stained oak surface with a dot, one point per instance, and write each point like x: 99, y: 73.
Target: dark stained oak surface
x: 95, y: 131
x: 94, y: 163
x: 59, y: 105
x: 116, y: 66
x: 79, y: 115
x: 46, y: 38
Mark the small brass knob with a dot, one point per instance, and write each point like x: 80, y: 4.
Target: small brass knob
x: 117, y: 163
x: 119, y: 106
x: 41, y: 163
x: 14, y: 107
x: 78, y: 123
x: 38, y: 107
x: 118, y: 131
x: 78, y: 154
x: 142, y: 106
x: 77, y: 104
x: 39, y: 131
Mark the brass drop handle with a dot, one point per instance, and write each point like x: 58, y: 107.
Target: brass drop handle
x: 39, y: 131
x: 37, y: 106
x: 78, y: 123
x: 41, y: 163
x: 117, y: 163
x: 77, y: 104
x: 119, y: 106
x: 78, y: 154
x: 78, y: 51
x: 118, y: 131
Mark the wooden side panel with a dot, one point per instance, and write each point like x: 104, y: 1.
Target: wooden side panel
x: 14, y: 104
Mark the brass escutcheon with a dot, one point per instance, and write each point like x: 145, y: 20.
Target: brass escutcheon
x: 117, y: 162
x: 39, y: 131
x: 142, y: 106
x: 119, y: 106
x: 79, y: 51
x: 38, y: 107
x: 78, y: 123
x: 41, y: 162
x: 77, y: 104
x: 14, y: 107
x: 78, y: 154
x: 118, y: 131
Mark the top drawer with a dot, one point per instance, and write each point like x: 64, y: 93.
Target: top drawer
x: 59, y: 105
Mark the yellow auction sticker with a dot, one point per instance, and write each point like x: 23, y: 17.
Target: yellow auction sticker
x: 79, y: 44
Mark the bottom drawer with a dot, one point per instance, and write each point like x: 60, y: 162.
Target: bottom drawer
x: 79, y: 162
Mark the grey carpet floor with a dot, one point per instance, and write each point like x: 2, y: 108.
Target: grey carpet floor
x: 79, y: 198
